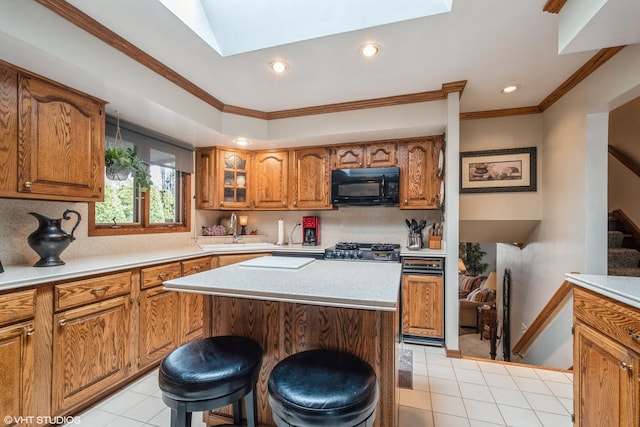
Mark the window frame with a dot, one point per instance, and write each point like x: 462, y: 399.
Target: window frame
x: 144, y: 226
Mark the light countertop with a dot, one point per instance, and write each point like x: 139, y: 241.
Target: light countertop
x: 619, y: 288
x: 371, y: 286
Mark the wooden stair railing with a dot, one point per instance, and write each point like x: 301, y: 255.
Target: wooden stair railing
x: 623, y: 158
x: 547, y: 314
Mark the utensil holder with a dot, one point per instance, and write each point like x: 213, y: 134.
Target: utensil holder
x: 415, y: 241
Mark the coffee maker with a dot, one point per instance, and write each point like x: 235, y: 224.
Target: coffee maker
x: 310, y: 230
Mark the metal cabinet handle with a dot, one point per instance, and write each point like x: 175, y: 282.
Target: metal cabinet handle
x: 284, y: 203
x: 196, y: 268
x: 30, y: 331
x: 624, y: 366
x: 62, y: 322
x: 633, y: 335
x: 295, y: 203
x: 28, y: 184
x: 162, y: 276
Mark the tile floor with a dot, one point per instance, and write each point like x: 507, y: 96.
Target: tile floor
x: 446, y: 393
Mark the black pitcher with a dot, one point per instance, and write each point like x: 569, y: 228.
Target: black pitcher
x: 49, y: 240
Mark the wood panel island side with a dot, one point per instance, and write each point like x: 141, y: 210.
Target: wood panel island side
x: 349, y: 306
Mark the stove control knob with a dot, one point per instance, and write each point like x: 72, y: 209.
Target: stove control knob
x: 360, y: 255
x: 343, y: 254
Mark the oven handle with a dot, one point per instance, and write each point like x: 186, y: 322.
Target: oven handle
x: 422, y: 272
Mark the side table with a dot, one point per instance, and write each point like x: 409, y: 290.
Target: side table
x: 488, y: 323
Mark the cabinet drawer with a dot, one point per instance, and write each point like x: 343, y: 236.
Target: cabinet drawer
x: 73, y: 294
x: 194, y: 266
x: 614, y: 319
x: 17, y: 306
x: 154, y: 276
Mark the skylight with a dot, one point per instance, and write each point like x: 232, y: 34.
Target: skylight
x: 238, y: 26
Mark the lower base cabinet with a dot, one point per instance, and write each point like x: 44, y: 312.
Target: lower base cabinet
x: 16, y: 373
x: 423, y: 306
x: 90, y: 351
x: 158, y: 325
x: 606, y: 370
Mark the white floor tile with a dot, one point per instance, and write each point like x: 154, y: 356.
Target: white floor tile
x: 146, y: 410
x: 560, y: 389
x: 476, y: 392
x: 483, y: 411
x: 509, y: 397
x: 444, y: 372
x: 451, y: 405
x: 447, y: 420
x: 465, y: 364
x: 93, y: 418
x: 567, y: 403
x: 546, y: 403
x: 556, y: 376
x: 420, y: 368
x: 125, y: 422
x: 442, y: 386
x: 413, y: 417
x: 147, y: 385
x: 469, y: 376
x: 122, y: 402
x: 521, y: 371
x: 492, y: 367
x: 532, y: 385
x: 478, y: 423
x: 421, y: 382
x: 501, y: 381
x: 519, y: 417
x: 554, y: 420
x: 415, y: 399
x: 438, y: 360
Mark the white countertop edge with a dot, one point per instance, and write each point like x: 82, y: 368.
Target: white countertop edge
x: 620, y: 288
x: 325, y: 302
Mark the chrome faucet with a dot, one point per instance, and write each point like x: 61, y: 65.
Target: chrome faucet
x: 233, y: 224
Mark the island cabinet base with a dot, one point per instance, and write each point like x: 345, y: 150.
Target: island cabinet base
x: 284, y: 328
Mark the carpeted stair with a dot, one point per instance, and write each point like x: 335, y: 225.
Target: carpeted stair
x: 622, y: 259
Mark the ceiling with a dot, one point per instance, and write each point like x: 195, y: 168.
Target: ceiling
x: 489, y: 44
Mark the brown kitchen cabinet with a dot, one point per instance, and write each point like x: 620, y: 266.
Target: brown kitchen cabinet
x: 91, y: 339
x: 159, y: 326
x: 192, y: 306
x: 233, y: 179
x: 270, y: 180
x: 205, y: 178
x: 374, y: 155
x: 17, y: 329
x: 606, y: 358
x: 420, y: 182
x: 309, y: 187
x: 47, y: 127
x: 423, y: 306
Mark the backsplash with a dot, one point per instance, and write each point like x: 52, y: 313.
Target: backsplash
x: 361, y: 224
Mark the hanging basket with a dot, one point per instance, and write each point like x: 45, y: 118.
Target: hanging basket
x: 118, y: 173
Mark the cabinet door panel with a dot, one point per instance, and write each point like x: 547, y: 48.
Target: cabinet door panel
x: 420, y: 183
x: 16, y: 371
x: 205, y: 178
x: 423, y: 306
x: 158, y: 324
x: 90, y: 351
x: 270, y: 174
x: 349, y: 156
x: 381, y: 155
x: 310, y: 184
x: 61, y: 142
x: 605, y: 381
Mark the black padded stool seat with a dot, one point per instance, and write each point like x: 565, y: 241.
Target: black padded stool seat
x: 210, y: 373
x: 323, y: 388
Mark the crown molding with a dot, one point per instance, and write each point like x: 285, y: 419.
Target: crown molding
x: 553, y: 6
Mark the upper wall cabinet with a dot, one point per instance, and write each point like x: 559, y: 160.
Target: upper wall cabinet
x: 376, y: 155
x: 310, y: 180
x: 233, y: 181
x: 270, y: 173
x: 205, y: 178
x: 51, y: 140
x: 421, y: 184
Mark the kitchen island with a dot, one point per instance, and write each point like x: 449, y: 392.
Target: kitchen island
x: 349, y: 306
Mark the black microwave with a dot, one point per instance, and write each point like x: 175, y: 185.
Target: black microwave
x: 365, y: 187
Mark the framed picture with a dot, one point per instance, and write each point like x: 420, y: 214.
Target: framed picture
x: 496, y: 171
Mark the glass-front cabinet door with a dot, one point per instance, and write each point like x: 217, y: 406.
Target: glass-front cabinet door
x: 234, y: 179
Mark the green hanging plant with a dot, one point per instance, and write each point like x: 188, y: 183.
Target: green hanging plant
x: 120, y: 162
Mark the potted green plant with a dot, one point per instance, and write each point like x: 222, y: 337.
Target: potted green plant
x: 120, y: 162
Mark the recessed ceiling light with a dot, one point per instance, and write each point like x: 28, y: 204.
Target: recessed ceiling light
x: 510, y: 89
x: 369, y: 49
x: 241, y: 141
x: 279, y: 66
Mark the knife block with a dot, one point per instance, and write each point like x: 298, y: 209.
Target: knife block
x: 435, y: 242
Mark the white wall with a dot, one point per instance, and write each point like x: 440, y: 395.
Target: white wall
x: 560, y: 244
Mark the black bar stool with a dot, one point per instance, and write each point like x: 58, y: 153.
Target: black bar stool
x: 210, y: 373
x: 323, y: 388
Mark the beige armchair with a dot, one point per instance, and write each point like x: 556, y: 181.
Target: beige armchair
x: 473, y: 293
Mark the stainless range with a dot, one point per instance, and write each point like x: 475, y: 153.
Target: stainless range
x: 385, y: 252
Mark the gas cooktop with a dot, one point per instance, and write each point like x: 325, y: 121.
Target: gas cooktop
x: 352, y: 251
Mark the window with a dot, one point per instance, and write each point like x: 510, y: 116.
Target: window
x: 165, y: 207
